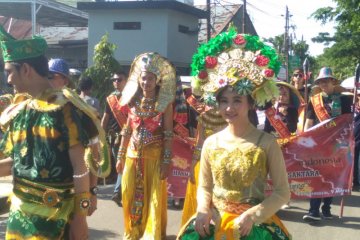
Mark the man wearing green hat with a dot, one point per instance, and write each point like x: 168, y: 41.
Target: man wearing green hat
x: 45, y: 137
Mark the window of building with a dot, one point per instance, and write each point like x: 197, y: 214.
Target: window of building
x: 127, y: 25
x: 183, y: 29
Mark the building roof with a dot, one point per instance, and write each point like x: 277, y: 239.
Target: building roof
x: 221, y: 17
x: 49, y: 13
x: 53, y: 35
x: 173, y: 5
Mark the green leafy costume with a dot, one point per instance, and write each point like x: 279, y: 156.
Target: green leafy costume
x: 39, y: 133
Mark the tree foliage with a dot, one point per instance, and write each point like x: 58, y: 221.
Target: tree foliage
x: 103, y: 68
x: 344, y: 54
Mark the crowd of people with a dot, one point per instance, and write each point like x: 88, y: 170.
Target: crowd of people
x: 56, y: 146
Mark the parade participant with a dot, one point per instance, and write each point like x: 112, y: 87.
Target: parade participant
x: 298, y: 81
x: 45, y: 138
x: 145, y: 147
x: 282, y: 116
x: 59, y: 74
x: 237, y: 71
x: 209, y: 122
x: 5, y: 101
x: 322, y: 106
x: 85, y: 87
x: 356, y: 175
x: 112, y: 122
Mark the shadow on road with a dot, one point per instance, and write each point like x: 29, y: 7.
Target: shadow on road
x: 344, y: 222
x: 98, y: 234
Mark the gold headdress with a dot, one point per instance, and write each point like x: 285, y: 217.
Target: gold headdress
x: 238, y: 60
x: 166, y: 79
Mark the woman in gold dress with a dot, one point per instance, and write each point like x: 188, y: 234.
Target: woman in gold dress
x: 145, y: 151
x: 236, y: 71
x: 209, y: 122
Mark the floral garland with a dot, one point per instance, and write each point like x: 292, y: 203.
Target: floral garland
x: 240, y: 60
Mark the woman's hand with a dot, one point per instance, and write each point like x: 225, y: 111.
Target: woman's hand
x: 93, y: 206
x: 164, y: 170
x: 245, y: 223
x: 119, y: 167
x: 202, y: 223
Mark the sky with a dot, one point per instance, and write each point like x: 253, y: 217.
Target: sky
x: 266, y: 15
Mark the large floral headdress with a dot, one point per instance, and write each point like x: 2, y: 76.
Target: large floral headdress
x: 238, y: 60
x: 165, y: 78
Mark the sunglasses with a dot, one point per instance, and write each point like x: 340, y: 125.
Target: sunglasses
x: 117, y: 79
x: 298, y: 75
x: 52, y: 76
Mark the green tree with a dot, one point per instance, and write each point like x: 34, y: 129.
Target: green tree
x: 278, y: 44
x: 301, y: 49
x: 104, y: 66
x: 344, y: 53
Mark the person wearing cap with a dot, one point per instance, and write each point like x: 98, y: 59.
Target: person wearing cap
x: 45, y: 137
x: 322, y: 106
x: 113, y: 120
x: 282, y: 116
x: 59, y: 73
x: 235, y: 72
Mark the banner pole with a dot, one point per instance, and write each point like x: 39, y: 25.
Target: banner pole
x: 306, y: 78
x: 341, y: 207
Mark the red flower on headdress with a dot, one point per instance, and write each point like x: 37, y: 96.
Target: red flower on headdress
x: 268, y: 73
x: 261, y: 60
x: 210, y: 62
x: 239, y: 40
x: 203, y: 74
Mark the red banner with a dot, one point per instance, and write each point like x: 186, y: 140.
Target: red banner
x: 319, y: 162
x: 180, y: 167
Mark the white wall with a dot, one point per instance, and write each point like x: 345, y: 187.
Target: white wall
x: 181, y: 46
x: 159, y: 33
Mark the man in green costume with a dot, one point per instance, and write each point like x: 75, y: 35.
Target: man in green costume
x: 45, y: 136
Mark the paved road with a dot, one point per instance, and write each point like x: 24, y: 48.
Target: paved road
x: 107, y: 222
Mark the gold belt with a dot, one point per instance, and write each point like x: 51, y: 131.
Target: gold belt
x: 50, y: 194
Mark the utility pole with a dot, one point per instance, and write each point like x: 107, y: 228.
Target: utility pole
x: 208, y: 23
x: 244, y: 17
x: 286, y: 43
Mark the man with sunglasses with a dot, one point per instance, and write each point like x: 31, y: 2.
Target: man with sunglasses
x: 112, y: 121
x: 298, y: 81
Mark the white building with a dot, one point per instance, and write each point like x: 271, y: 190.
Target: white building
x: 167, y: 27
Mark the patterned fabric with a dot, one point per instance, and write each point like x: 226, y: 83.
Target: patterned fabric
x: 211, y: 122
x: 145, y: 211
x: 39, y: 133
x: 272, y: 229
x: 144, y: 195
x: 14, y: 50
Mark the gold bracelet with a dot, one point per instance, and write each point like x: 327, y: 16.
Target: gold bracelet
x: 126, y: 131
x: 82, y: 203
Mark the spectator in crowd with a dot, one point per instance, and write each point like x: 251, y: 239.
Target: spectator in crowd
x: 85, y: 87
x: 113, y: 121
x: 322, y: 106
